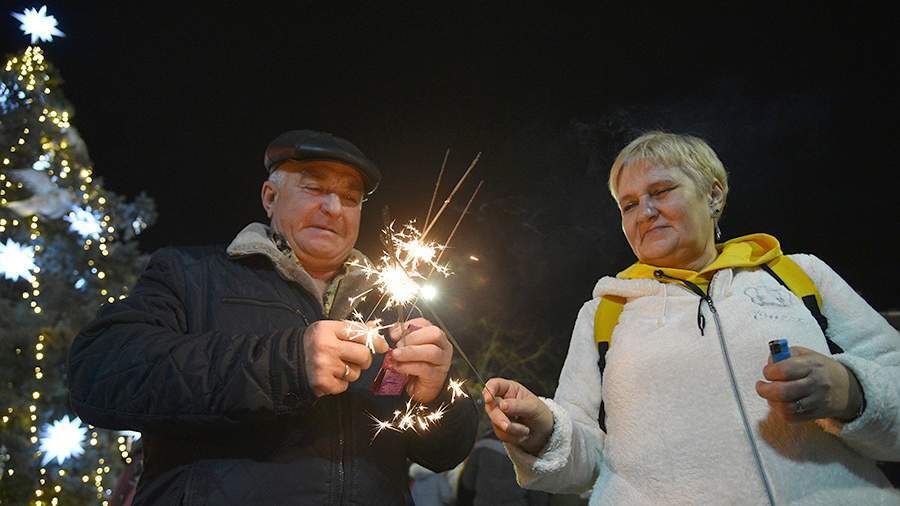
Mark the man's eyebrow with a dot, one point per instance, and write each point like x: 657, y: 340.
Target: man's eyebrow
x: 321, y: 175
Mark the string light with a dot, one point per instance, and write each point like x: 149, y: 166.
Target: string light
x: 27, y: 85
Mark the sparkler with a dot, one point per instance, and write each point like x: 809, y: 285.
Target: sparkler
x: 397, y: 275
x: 400, y: 278
x: 417, y: 417
x: 368, y: 332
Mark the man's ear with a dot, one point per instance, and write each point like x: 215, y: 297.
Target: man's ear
x: 269, y: 195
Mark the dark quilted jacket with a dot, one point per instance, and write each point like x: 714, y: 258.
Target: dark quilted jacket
x: 205, y: 359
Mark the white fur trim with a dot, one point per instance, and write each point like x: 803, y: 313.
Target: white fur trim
x: 629, y: 288
x: 879, y: 416
x: 556, y: 453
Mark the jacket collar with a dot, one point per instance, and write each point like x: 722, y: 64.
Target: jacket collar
x: 351, y: 281
x: 746, y: 251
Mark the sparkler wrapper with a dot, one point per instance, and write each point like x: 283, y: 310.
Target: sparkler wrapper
x: 780, y: 349
x: 388, y: 381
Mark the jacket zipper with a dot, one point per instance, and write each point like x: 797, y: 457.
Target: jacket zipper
x: 262, y: 303
x: 705, y: 297
x: 340, y: 479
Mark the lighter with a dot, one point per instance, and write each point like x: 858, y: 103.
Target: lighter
x: 780, y: 349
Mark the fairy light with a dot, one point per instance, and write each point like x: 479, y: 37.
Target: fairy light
x: 30, y: 71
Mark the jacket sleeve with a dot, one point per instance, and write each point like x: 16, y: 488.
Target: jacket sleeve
x: 570, y: 463
x: 137, y: 366
x: 872, y: 352
x: 448, y: 442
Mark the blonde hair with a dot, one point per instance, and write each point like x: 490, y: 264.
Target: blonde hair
x: 690, y: 154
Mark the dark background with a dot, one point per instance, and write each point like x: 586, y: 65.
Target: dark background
x: 799, y: 100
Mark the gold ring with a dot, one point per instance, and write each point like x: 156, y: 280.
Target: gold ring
x: 346, y: 371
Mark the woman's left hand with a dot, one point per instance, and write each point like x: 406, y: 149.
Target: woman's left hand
x: 809, y: 385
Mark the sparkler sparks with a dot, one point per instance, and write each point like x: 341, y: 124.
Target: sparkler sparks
x: 456, y: 390
x: 396, y: 278
x: 406, y: 265
x: 417, y: 417
x: 368, y: 332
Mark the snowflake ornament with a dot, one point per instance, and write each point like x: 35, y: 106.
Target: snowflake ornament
x: 138, y: 225
x: 16, y: 261
x: 84, y: 222
x: 38, y: 24
x: 42, y: 163
x: 130, y: 433
x: 62, y: 439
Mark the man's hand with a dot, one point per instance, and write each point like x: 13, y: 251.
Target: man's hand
x: 517, y: 415
x: 810, y: 385
x: 332, y: 360
x: 423, y: 353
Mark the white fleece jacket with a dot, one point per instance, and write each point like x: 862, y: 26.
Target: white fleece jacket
x: 675, y: 434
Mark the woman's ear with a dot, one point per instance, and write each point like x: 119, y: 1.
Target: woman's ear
x: 717, y: 197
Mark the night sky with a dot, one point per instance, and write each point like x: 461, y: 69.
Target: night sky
x: 800, y: 102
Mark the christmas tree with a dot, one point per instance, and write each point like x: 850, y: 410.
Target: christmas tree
x: 67, y: 245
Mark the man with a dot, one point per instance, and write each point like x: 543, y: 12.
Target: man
x: 237, y: 369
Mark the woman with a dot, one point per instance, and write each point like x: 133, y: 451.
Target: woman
x: 696, y: 412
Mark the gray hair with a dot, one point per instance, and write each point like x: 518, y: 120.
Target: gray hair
x: 277, y: 178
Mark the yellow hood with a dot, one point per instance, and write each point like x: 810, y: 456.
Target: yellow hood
x: 747, y: 251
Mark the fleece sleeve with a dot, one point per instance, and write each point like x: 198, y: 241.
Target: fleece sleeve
x: 570, y: 462
x: 872, y: 352
x: 137, y: 365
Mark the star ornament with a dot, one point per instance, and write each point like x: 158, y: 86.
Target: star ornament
x: 84, y: 222
x: 38, y: 24
x: 16, y: 261
x: 62, y: 439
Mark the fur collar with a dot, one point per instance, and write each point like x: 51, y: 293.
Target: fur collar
x: 259, y: 239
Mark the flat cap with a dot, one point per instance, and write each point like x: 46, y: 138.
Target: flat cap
x: 313, y: 145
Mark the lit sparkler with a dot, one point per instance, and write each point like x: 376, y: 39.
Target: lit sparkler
x: 398, y: 278
x: 417, y: 417
x: 405, y: 267
x: 358, y: 329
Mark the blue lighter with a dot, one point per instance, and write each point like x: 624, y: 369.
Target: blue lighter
x: 780, y: 349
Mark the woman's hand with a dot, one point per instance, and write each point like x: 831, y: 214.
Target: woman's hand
x: 810, y: 385
x: 518, y: 416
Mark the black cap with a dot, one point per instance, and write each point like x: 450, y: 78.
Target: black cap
x: 312, y: 145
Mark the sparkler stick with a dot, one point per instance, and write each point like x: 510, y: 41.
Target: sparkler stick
x: 449, y: 238
x: 437, y: 185
x: 450, y: 197
x: 454, y: 342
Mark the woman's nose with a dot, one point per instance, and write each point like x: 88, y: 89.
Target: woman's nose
x: 648, y: 210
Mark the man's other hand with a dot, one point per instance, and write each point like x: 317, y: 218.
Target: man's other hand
x: 423, y: 353
x: 335, y: 356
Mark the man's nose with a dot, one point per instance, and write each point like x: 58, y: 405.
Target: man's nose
x: 332, y: 204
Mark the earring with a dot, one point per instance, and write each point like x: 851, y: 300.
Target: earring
x: 716, y: 212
